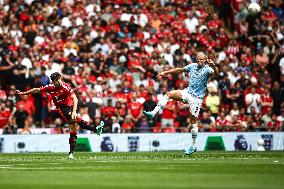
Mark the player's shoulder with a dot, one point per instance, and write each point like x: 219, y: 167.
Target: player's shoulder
x: 190, y: 66
x: 207, y: 67
x: 66, y: 86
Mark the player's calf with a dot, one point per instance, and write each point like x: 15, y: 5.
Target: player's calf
x: 194, y: 133
x: 72, y: 142
x: 84, y: 125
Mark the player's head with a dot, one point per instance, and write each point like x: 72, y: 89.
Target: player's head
x: 56, y: 78
x: 201, y: 59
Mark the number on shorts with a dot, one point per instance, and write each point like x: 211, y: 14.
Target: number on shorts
x: 196, y: 109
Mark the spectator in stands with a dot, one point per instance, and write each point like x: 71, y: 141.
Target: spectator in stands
x: 168, y: 114
x: 266, y: 118
x: 281, y: 118
x: 222, y: 123
x: 19, y: 72
x: 143, y: 126
x: 277, y: 94
x: 274, y: 124
x: 212, y: 101
x: 266, y: 101
x: 9, y: 129
x: 252, y: 99
x: 27, y: 104
x: 127, y: 125
x: 58, y: 127
x: 206, y: 124
x: 135, y: 108
x: 235, y: 110
x: 20, y: 116
x: 5, y: 114
x: 115, y: 125
x: 28, y: 125
x: 108, y: 112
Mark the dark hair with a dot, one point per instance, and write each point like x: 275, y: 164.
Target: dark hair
x: 55, y: 76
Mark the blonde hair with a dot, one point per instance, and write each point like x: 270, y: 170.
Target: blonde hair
x: 200, y: 53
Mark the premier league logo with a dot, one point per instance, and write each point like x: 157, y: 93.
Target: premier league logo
x: 155, y: 144
x: 133, y: 143
x: 268, y: 141
x: 241, y: 143
x: 1, y: 145
x: 106, y: 145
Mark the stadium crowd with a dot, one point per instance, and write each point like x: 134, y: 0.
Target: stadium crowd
x: 110, y: 52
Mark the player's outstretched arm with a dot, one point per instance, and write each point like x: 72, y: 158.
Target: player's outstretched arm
x: 172, y: 71
x: 214, y: 67
x: 32, y: 91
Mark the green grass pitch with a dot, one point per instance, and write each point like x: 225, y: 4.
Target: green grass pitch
x: 157, y: 170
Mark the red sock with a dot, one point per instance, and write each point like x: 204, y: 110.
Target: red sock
x: 72, y: 141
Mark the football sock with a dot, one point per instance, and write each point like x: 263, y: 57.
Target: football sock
x: 84, y: 125
x: 194, y: 132
x: 72, y: 141
x: 164, y: 100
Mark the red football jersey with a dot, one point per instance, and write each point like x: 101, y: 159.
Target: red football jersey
x: 135, y: 108
x: 60, y: 95
x: 4, y: 116
x: 274, y: 126
x: 265, y: 98
x: 169, y: 114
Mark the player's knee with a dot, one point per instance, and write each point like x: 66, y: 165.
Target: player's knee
x: 193, y: 119
x: 72, y: 127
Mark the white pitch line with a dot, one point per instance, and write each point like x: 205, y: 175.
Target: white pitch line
x: 51, y: 168
x: 36, y: 168
x: 32, y: 164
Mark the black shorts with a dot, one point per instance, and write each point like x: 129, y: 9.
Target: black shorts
x: 65, y: 112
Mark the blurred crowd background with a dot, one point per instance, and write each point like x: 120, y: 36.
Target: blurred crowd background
x: 110, y: 51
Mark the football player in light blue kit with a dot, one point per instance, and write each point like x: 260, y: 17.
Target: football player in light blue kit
x: 200, y: 73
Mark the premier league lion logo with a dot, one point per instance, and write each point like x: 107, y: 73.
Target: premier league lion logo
x: 106, y: 145
x: 241, y: 143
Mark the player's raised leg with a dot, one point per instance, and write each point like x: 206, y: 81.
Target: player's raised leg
x: 175, y: 95
x: 84, y: 125
x: 66, y: 114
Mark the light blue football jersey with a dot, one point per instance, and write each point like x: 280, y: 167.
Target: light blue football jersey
x: 198, y: 79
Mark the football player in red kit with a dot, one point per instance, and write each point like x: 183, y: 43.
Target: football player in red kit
x: 66, y: 102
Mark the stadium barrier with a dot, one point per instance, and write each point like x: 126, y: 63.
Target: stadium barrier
x: 143, y: 142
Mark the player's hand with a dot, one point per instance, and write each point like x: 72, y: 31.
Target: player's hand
x: 210, y: 62
x: 160, y: 75
x: 73, y: 115
x: 18, y: 92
